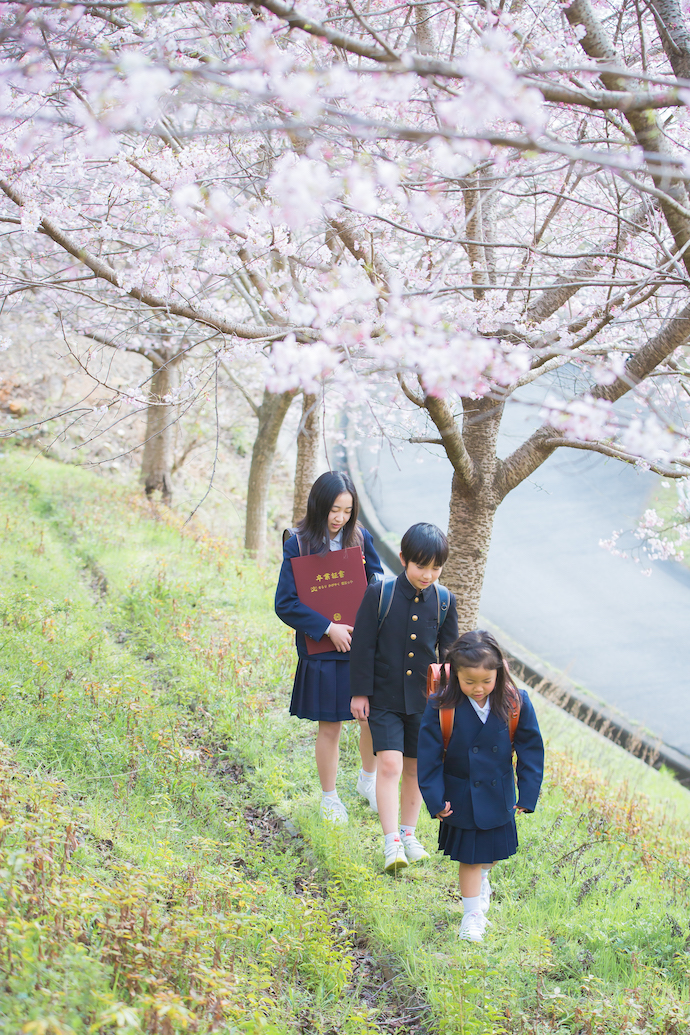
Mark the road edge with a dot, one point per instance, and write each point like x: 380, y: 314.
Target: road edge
x: 555, y: 686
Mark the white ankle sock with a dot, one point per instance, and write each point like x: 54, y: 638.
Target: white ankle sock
x: 406, y: 831
x: 329, y: 796
x: 471, y: 905
x: 390, y: 839
x: 486, y: 870
x: 367, y: 776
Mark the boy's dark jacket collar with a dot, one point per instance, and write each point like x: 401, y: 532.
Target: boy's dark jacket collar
x: 408, y: 589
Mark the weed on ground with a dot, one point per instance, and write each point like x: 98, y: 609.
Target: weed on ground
x: 164, y: 866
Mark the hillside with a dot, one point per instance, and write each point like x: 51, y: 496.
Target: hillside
x: 164, y: 869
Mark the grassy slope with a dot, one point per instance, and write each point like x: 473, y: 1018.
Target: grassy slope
x: 136, y: 891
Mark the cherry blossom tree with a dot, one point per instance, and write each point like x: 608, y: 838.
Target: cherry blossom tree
x: 451, y: 200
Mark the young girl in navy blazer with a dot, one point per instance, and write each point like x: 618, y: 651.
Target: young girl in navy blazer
x: 470, y: 786
x: 321, y: 691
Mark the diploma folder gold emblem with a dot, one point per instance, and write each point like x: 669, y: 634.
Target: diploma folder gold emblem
x: 332, y: 584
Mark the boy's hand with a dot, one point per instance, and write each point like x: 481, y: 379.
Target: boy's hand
x: 359, y: 706
x: 446, y: 812
x: 341, y: 635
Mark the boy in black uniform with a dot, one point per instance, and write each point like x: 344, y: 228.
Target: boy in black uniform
x: 398, y: 627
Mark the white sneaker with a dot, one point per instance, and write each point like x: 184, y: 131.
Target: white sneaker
x: 367, y: 788
x: 472, y: 926
x: 413, y: 850
x: 333, y: 811
x: 485, y: 896
x: 394, y: 857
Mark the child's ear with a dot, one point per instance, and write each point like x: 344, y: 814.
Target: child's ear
x: 403, y: 561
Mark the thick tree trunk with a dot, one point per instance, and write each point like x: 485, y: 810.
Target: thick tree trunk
x: 271, y: 415
x: 307, y: 452
x: 470, y: 526
x: 473, y: 504
x: 161, y: 415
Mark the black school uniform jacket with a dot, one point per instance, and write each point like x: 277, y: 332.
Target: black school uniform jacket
x: 390, y: 667
x: 304, y: 620
x: 477, y: 775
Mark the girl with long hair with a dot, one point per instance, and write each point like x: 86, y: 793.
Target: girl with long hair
x: 470, y: 784
x: 321, y: 690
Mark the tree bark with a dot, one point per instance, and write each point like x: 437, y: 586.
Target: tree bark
x: 473, y: 504
x: 307, y: 452
x: 271, y: 415
x: 161, y: 415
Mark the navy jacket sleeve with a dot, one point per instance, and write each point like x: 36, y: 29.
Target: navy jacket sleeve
x: 289, y: 607
x: 529, y: 748
x: 430, y: 760
x: 449, y: 630
x: 364, y: 638
x: 372, y: 563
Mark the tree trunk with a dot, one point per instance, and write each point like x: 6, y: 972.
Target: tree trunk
x: 307, y: 452
x: 473, y: 506
x: 271, y: 415
x: 156, y: 465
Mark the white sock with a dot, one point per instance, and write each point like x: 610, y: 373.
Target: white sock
x: 390, y: 839
x: 486, y: 870
x: 329, y: 796
x: 406, y: 831
x: 471, y: 904
x: 367, y: 776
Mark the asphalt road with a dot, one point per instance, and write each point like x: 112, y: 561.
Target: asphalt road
x: 620, y: 635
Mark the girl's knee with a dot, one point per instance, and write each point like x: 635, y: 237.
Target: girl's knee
x: 330, y: 730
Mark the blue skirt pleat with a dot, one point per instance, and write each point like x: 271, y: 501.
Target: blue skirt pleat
x: 478, y: 846
x: 321, y: 690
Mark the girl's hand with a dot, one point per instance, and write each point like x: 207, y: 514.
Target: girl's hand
x: 446, y: 812
x: 359, y: 706
x: 341, y: 636
x: 519, y: 811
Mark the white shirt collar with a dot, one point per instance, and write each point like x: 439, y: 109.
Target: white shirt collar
x: 337, y: 542
x: 481, y: 710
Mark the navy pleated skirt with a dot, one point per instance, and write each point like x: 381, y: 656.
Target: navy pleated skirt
x: 478, y: 846
x: 321, y: 690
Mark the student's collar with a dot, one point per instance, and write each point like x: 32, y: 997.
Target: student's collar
x: 410, y: 591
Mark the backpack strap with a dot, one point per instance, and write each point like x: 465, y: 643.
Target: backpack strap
x: 386, y: 598
x: 446, y: 718
x: 442, y: 602
x: 288, y: 534
x: 514, y: 717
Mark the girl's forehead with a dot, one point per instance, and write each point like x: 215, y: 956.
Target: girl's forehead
x: 474, y: 670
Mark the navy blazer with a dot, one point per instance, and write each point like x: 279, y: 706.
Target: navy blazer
x: 389, y: 667
x: 477, y: 777
x: 304, y: 620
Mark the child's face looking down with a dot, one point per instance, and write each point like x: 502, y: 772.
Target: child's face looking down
x: 340, y: 513
x: 476, y: 683
x: 421, y: 576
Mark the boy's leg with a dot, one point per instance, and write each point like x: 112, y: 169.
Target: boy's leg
x: 366, y: 781
x: 389, y: 768
x: 410, y: 794
x: 366, y: 749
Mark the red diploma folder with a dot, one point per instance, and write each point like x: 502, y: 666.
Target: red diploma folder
x: 332, y: 584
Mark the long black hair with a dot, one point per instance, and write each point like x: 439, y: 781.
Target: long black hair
x: 313, y: 528
x: 478, y: 649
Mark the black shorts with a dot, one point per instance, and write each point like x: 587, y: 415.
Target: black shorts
x: 394, y: 731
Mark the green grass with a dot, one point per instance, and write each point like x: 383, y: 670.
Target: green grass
x: 145, y: 682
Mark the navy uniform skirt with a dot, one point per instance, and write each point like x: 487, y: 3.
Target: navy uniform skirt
x: 478, y: 846
x: 321, y: 690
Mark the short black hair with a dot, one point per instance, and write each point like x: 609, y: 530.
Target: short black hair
x: 424, y: 544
